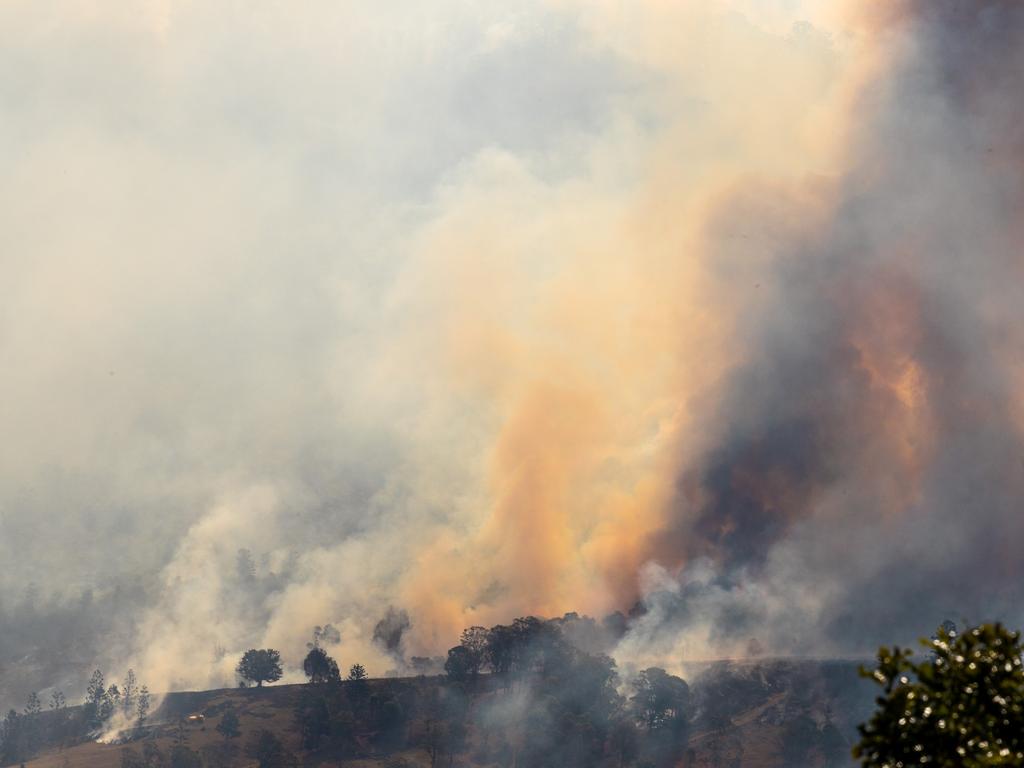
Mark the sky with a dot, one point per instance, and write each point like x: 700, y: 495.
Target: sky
x: 479, y: 310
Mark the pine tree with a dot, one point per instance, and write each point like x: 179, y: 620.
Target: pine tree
x: 33, y: 707
x: 142, y: 708
x: 128, y: 693
x: 95, y: 692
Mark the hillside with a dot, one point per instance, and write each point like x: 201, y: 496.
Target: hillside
x: 770, y: 714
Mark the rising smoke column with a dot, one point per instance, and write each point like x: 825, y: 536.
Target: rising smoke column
x: 481, y: 312
x: 584, y: 320
x: 865, y: 476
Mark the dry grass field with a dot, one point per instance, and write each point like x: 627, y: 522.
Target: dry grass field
x: 763, y: 702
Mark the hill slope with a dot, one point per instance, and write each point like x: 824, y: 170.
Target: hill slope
x: 771, y: 714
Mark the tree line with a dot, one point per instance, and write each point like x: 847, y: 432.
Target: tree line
x: 525, y: 695
x: 24, y: 734
x: 573, y: 713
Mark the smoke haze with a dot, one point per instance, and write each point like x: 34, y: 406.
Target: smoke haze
x: 457, y: 314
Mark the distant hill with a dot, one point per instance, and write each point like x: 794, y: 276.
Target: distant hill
x: 764, y: 714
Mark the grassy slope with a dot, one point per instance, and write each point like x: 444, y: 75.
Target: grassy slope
x: 754, y: 740
x: 267, y: 708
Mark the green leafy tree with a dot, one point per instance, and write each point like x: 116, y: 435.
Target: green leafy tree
x: 260, y: 666
x: 961, y: 708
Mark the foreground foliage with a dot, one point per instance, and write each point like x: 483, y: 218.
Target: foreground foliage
x: 963, y: 707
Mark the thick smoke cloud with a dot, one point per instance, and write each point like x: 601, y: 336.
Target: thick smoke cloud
x: 204, y: 210
x: 389, y: 632
x: 478, y: 312
x: 864, y: 467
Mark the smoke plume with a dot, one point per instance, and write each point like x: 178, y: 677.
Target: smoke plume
x: 462, y: 313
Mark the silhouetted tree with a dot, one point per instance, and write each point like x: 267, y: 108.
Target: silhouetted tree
x: 537, y: 646
x: 460, y: 664
x: 31, y: 725
x: 660, y: 699
x: 33, y: 707
x: 475, y: 640
x: 358, y: 688
x: 260, y: 666
x: 95, y: 693
x: 58, y: 717
x: 57, y: 700
x: 319, y: 667
x: 964, y: 707
x: 501, y: 642
x: 142, y: 708
x: 129, y: 692
x: 111, y: 702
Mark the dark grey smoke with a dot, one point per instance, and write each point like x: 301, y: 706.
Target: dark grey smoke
x: 390, y: 632
x: 816, y: 479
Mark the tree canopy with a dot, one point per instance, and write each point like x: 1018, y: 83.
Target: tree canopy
x: 319, y: 667
x: 963, y: 707
x: 260, y: 666
x: 660, y: 699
